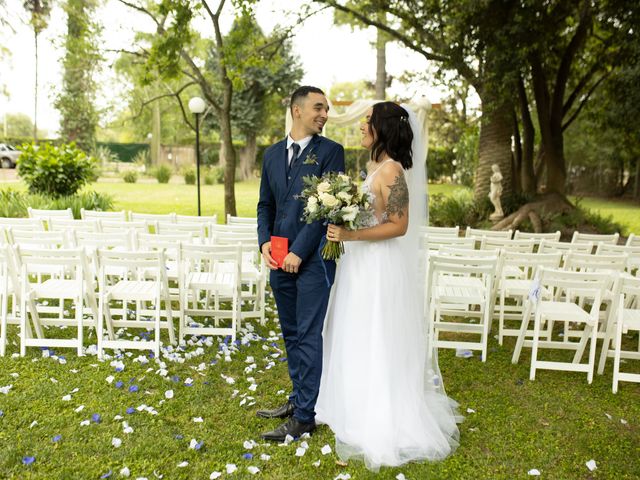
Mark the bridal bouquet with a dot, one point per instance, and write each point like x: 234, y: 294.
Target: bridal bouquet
x: 334, y: 198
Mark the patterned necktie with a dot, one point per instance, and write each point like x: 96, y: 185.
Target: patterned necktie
x: 296, y: 151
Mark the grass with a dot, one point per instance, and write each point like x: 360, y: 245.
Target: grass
x: 624, y: 212
x: 554, y: 424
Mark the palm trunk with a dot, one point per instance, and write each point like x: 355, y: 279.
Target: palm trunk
x: 495, y: 147
x: 229, y: 150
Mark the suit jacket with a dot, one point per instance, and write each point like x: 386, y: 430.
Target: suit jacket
x: 279, y: 211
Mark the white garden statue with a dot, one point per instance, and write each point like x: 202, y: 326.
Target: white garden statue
x: 495, y: 193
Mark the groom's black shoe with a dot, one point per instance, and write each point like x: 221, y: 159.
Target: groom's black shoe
x: 292, y: 427
x: 282, y: 411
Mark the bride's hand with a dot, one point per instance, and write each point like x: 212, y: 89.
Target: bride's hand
x: 338, y: 234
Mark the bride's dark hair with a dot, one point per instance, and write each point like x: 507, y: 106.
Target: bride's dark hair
x: 392, y: 133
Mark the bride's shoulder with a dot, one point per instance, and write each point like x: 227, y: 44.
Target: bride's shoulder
x: 390, y: 171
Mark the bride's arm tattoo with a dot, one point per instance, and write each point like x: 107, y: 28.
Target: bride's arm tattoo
x: 398, y: 198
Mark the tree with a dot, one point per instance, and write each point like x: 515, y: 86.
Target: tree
x: 262, y: 85
x: 19, y: 125
x: 39, y: 11
x: 75, y: 102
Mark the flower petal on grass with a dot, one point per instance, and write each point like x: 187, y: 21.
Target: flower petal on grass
x: 215, y: 475
x: 106, y: 475
x: 79, y: 409
x: 197, y: 420
x: 116, y: 442
x: 591, y: 465
x: 125, y: 472
x: 183, y: 464
x: 534, y: 472
x: 28, y: 460
x: 66, y: 398
x: 56, y: 438
x: 253, y: 470
x: 84, y: 423
x: 168, y: 394
x: 300, y: 452
x: 326, y: 450
x: 231, y: 467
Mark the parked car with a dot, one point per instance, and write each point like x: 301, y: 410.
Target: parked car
x: 8, y: 156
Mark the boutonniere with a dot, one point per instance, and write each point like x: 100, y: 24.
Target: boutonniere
x: 311, y: 159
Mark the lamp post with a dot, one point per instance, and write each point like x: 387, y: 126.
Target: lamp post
x: 196, y: 105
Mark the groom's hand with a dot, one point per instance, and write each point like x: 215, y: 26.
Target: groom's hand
x: 291, y: 263
x: 266, y: 254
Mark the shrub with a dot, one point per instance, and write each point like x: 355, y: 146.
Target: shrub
x: 142, y: 158
x: 130, y: 176
x: 189, y: 176
x: 162, y: 173
x: 458, y: 208
x: 14, y: 203
x: 104, y: 155
x: 214, y: 175
x: 55, y: 170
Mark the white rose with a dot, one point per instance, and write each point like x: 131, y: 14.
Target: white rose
x: 324, y: 187
x: 328, y: 200
x: 312, y: 201
x: 312, y: 207
x: 350, y: 213
x: 344, y: 196
x: 344, y: 178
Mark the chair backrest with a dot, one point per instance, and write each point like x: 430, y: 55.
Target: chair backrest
x: 527, y: 263
x: 524, y: 246
x: 197, y: 230
x: 574, y: 285
x: 46, y: 214
x: 6, y: 263
x: 197, y: 219
x: 463, y: 252
x: 153, y: 217
x: 435, y: 242
x: 555, y: 236
x: 54, y: 262
x: 194, y: 258
x: 22, y: 223
x: 138, y: 264
x: 231, y: 238
x: 66, y: 225
x: 106, y: 240
x: 38, y: 239
x: 594, y: 238
x: 547, y: 246
x: 633, y: 240
x: 158, y: 241
x: 441, y: 231
x: 234, y: 220
x: 584, y: 262
x: 120, y: 216
x: 242, y: 228
x: 445, y: 265
x: 479, y: 233
x: 633, y: 254
x: 119, y: 226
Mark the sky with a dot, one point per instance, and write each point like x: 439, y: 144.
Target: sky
x: 329, y: 54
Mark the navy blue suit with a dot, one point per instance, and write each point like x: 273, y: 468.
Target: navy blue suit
x: 301, y: 297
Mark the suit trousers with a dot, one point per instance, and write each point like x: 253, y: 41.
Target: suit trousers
x: 302, y: 300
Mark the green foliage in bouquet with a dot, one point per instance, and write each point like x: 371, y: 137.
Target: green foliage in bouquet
x: 335, y: 198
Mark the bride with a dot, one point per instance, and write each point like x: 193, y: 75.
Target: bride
x: 384, y: 402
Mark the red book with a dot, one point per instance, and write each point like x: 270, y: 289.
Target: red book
x: 279, y: 249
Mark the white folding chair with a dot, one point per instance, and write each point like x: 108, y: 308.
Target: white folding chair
x: 197, y: 219
x: 152, y: 217
x: 210, y: 286
x: 141, y: 226
x: 516, y: 277
x: 47, y: 214
x: 66, y: 225
x: 507, y: 245
x: 633, y: 255
x: 574, y: 288
x: 120, y: 216
x: 633, y: 240
x: 235, y: 220
x: 470, y: 298
x: 627, y: 319
x: 38, y: 239
x: 434, y: 243
x: 441, y: 231
x: 595, y: 238
x: 66, y: 279
x: 5, y: 261
x: 145, y: 281
x: 478, y: 233
x: 190, y: 231
x: 537, y: 237
x: 34, y: 224
x: 550, y: 246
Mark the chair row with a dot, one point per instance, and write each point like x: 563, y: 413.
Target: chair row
x: 466, y: 289
x: 478, y: 234
x: 60, y: 287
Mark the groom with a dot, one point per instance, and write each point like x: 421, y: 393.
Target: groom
x: 301, y: 286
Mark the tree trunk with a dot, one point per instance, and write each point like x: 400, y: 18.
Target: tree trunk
x: 248, y: 156
x: 527, y: 173
x: 553, y: 157
x: 381, y: 65
x: 495, y: 147
x: 156, y: 139
x: 229, y: 150
x: 35, y: 95
x: 517, y: 155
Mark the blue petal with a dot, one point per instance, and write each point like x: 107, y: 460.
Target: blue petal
x: 247, y: 456
x: 96, y: 418
x: 119, y: 384
x: 28, y: 460
x: 131, y: 410
x: 133, y: 388
x: 106, y: 475
x: 57, y: 438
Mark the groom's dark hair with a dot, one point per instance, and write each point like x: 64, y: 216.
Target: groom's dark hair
x: 301, y: 92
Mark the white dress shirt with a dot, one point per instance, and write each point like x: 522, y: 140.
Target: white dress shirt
x: 302, y: 142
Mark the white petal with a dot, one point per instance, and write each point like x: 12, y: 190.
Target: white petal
x: 183, y: 464
x: 66, y: 398
x: 215, y: 475
x: 326, y: 450
x: 79, y: 409
x: 84, y: 423
x: 534, y: 472
x: 168, y: 394
x: 116, y: 442
x: 300, y: 452
x: 197, y: 419
x: 591, y: 465
x: 253, y: 470
x: 231, y: 467
x: 124, y: 472
x: 316, y: 463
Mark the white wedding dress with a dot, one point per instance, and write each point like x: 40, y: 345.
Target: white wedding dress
x: 384, y: 403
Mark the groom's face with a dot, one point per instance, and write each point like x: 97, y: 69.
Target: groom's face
x: 311, y: 113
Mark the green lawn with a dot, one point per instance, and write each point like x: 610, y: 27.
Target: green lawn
x: 554, y: 424
x: 624, y: 212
